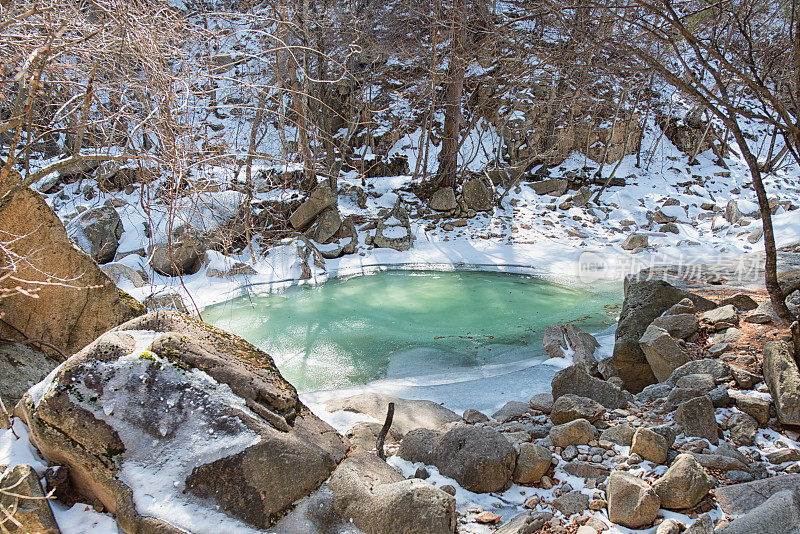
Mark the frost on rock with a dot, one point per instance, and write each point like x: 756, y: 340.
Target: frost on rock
x: 173, y: 424
x: 191, y: 424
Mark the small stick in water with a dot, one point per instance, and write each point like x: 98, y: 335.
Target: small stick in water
x: 385, y: 430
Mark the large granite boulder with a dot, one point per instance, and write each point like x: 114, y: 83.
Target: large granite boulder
x: 478, y: 458
x: 684, y: 484
x: 374, y: 497
x: 164, y: 410
x: 645, y: 299
x: 783, y: 379
x: 696, y: 418
x: 75, y: 301
x: 576, y: 381
x: 408, y: 414
x: 632, y: 502
x: 97, y: 231
x: 780, y: 514
x: 738, y: 499
x: 663, y: 353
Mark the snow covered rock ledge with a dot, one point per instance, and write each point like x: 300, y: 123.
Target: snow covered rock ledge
x: 177, y: 426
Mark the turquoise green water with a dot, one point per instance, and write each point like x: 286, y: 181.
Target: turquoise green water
x: 409, y: 324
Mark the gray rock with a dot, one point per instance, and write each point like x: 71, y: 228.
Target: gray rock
x: 729, y: 335
x: 552, y: 186
x: 21, y: 366
x: 569, y: 453
x: 116, y: 272
x: 478, y: 458
x: 571, y: 503
x: 526, y: 523
x: 167, y: 301
x: 575, y: 380
x: 722, y: 318
x: 408, y: 414
x: 632, y: 502
x: 396, y: 222
x: 784, y: 455
x: 718, y: 349
x: 97, y: 232
x: 635, y: 241
x: 678, y: 396
x: 587, y: 470
x: 645, y: 299
x: 443, y: 199
x: 756, y: 407
x: 719, y: 396
x: 542, y: 402
x: 668, y: 431
x: 578, y: 432
x: 471, y: 416
x: 570, y: 407
x: 763, y: 314
x: 741, y: 301
x: 320, y: 199
x: 650, y: 445
x: 696, y: 418
x: 701, y: 525
x: 375, y: 498
x: 662, y: 352
x: 328, y: 224
x: 719, y: 370
x: 744, y: 378
x: 780, y: 514
x: 738, y: 499
x: 184, y: 255
x: 364, y: 436
x: 478, y: 194
x: 684, y: 307
x: 719, y: 462
x: 680, y: 325
x: 511, y: 411
x: 783, y: 379
x: 669, y: 526
x: 621, y: 434
x: 700, y: 381
x: 654, y: 392
x: 684, y: 484
x: 533, y: 462
x: 743, y: 429
x: 732, y: 212
x: 670, y: 227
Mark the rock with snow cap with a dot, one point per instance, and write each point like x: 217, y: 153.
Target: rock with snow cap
x: 165, y: 404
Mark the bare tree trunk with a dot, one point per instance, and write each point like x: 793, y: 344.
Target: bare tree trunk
x: 776, y: 296
x: 448, y: 157
x: 300, y: 104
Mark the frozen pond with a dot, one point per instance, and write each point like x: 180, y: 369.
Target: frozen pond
x: 426, y: 329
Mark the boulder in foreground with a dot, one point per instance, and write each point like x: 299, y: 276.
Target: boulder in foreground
x: 165, y: 409
x: 377, y: 499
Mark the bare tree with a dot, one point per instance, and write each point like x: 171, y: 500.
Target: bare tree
x: 737, y: 59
